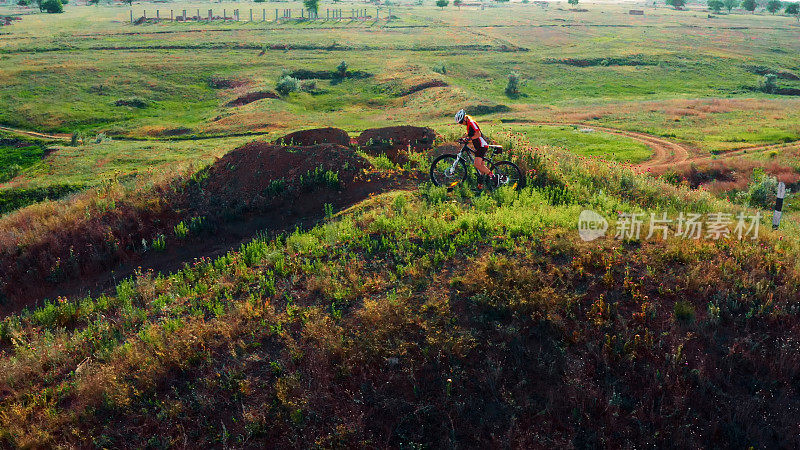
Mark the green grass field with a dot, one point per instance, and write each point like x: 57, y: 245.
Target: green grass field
x: 166, y: 282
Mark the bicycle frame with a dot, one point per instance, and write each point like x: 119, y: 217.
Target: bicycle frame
x: 465, y: 154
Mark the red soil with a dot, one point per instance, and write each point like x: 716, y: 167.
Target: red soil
x: 396, y: 142
x: 251, y: 97
x: 316, y: 136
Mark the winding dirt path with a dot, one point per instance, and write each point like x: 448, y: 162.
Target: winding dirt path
x: 58, y: 137
x: 668, y: 153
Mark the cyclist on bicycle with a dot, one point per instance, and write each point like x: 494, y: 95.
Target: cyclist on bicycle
x: 479, y: 144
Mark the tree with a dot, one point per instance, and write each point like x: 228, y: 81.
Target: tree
x: 442, y: 3
x: 715, y: 5
x: 677, y: 4
x: 774, y: 6
x: 52, y: 6
x: 311, y: 5
x: 457, y: 3
x: 749, y: 5
x: 730, y: 4
x: 573, y: 2
x: 793, y: 9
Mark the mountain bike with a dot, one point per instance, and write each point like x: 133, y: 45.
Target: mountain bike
x: 448, y: 170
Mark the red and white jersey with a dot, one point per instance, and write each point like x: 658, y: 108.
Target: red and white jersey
x: 473, y: 130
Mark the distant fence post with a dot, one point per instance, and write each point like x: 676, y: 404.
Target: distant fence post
x: 171, y: 15
x: 184, y: 15
x: 144, y: 13
x: 263, y: 15
x: 198, y: 15
x: 224, y: 14
x: 251, y: 14
x: 210, y: 15
x: 131, y: 16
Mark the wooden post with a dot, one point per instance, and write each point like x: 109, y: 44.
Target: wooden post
x: 198, y: 14
x: 144, y: 13
x: 210, y: 16
x: 251, y: 14
x: 778, y: 212
x: 184, y: 15
x: 158, y: 14
x: 263, y: 15
x: 131, y: 16
x: 224, y: 14
x: 171, y: 15
x: 276, y: 14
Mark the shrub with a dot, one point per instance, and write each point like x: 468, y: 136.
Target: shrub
x: 769, y: 85
x: 512, y: 88
x: 433, y: 194
x: 684, y: 311
x: 287, y: 84
x: 440, y: 69
x: 181, y: 230
x: 793, y: 9
x: 341, y: 69
x: 134, y: 102
x: 442, y: 3
x: 677, y: 4
x: 573, y: 2
x: 762, y: 191
x: 159, y: 243
x: 308, y: 86
x: 52, y: 6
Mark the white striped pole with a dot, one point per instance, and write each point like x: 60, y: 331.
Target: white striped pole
x: 776, y: 215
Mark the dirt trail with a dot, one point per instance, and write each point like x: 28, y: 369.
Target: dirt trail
x: 668, y: 153
x: 60, y: 137
x: 665, y: 152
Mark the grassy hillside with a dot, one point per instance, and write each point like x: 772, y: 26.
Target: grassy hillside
x: 184, y: 280
x: 428, y: 318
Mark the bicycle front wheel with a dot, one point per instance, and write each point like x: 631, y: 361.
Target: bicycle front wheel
x: 512, y: 175
x: 448, y: 171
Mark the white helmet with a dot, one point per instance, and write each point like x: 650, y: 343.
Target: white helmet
x: 460, y: 115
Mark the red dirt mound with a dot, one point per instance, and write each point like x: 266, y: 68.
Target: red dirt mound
x: 316, y: 136
x: 251, y: 97
x: 261, y: 174
x: 395, y: 142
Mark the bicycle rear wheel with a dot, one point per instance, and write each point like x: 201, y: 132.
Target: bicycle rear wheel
x: 448, y: 171
x: 513, y: 176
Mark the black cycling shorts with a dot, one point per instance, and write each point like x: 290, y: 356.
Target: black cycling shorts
x: 480, y: 146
